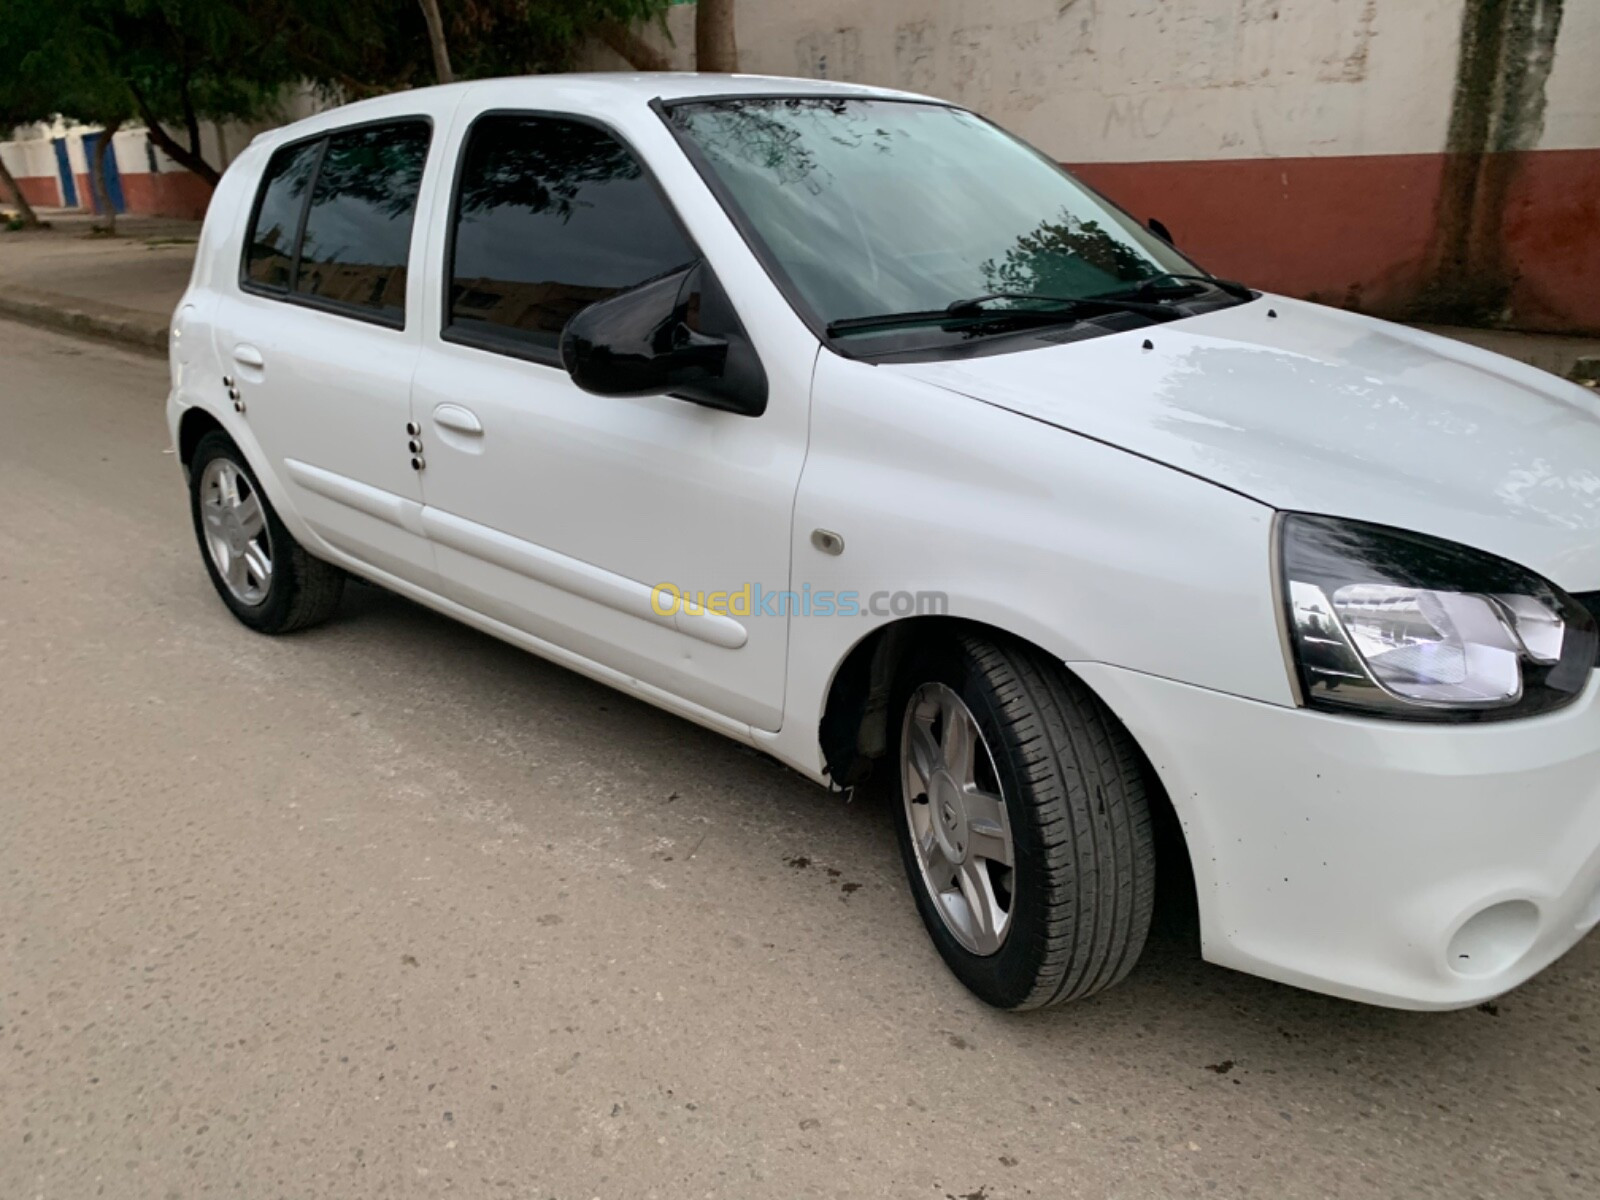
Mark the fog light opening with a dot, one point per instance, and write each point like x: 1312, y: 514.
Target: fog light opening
x: 1494, y: 939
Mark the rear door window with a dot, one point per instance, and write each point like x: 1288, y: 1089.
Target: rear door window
x: 334, y: 219
x: 358, y: 230
x: 551, y: 214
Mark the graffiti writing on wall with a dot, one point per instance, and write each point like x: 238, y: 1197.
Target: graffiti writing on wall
x: 1130, y: 48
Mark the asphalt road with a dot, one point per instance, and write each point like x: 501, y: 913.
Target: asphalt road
x: 388, y: 908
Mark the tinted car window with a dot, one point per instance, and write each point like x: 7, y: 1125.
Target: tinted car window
x: 551, y: 215
x: 358, y: 230
x: 269, y: 252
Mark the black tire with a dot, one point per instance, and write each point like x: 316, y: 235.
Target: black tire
x: 1074, y: 784
x: 303, y: 590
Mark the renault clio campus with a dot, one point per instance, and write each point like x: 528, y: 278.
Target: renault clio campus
x: 590, y: 362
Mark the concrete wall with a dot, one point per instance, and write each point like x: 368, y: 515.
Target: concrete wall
x: 152, y: 184
x: 1429, y: 158
x: 33, y: 165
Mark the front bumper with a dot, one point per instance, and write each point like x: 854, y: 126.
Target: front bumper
x: 1424, y: 867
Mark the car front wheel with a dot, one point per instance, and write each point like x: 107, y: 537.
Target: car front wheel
x: 1024, y: 823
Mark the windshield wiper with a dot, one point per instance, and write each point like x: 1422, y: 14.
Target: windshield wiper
x: 1057, y: 304
x: 1176, y: 283
x: 1056, y: 310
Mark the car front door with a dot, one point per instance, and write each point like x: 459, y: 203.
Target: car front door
x: 559, y: 512
x: 320, y: 339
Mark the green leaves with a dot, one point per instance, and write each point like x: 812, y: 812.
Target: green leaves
x: 176, y: 63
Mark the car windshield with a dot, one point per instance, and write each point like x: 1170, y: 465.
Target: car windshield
x: 878, y: 207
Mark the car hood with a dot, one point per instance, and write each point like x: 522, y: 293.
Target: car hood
x: 1311, y: 409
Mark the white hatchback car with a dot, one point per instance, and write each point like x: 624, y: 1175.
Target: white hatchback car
x: 843, y: 423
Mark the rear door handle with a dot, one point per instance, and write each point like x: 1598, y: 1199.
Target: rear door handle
x: 462, y: 420
x: 248, y: 356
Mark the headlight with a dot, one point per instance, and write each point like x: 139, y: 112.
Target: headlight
x: 1397, y: 624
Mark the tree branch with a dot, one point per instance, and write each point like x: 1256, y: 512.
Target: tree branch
x: 191, y: 121
x: 714, y: 45
x: 441, y: 52
x: 356, y: 89
x: 97, y: 174
x: 634, y: 50
x: 184, y: 158
x: 24, y: 209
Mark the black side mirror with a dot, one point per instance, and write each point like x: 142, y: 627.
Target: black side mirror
x: 1162, y: 232
x: 677, y: 334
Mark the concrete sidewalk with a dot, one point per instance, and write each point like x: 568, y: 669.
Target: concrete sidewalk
x: 122, y: 288
x: 125, y: 289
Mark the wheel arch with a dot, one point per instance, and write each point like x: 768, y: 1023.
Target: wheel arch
x: 195, y: 423
x: 854, y: 731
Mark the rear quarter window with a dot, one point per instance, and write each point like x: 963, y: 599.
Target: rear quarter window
x: 269, y: 249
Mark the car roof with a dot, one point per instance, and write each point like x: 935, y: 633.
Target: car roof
x: 594, y: 93
x: 677, y: 85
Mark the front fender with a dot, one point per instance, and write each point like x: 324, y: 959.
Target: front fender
x: 1088, y: 552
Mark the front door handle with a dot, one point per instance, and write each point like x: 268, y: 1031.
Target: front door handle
x: 248, y: 356
x: 461, y: 420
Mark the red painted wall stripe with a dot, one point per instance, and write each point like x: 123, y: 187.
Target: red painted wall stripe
x: 1358, y: 231
x: 180, y: 194
x: 41, y: 191
x: 169, y: 194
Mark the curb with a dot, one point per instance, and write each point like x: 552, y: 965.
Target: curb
x: 111, y: 322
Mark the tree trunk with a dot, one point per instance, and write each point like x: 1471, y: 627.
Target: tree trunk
x: 441, y: 52
x: 714, y: 47
x: 97, y: 177
x: 24, y: 209
x: 634, y: 50
x: 190, y: 161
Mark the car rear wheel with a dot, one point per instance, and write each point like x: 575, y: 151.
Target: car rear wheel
x: 262, y: 574
x: 1024, y: 823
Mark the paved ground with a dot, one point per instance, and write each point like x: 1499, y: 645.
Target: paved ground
x: 389, y: 909
x: 145, y: 269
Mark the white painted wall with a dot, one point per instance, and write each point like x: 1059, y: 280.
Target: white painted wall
x: 31, y: 148
x: 1115, y: 80
x: 34, y: 156
x: 1572, y: 113
x: 1157, y: 80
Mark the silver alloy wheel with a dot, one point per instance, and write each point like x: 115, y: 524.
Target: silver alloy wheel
x: 957, y: 816
x: 236, y: 531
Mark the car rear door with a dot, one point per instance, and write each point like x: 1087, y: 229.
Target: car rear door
x: 320, y: 336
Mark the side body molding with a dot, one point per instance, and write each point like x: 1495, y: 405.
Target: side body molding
x: 592, y: 583
x: 341, y: 489
x: 573, y: 575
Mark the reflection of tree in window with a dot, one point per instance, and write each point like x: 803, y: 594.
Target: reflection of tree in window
x: 358, y: 230
x: 552, y: 215
x: 537, y: 171
x: 771, y: 134
x: 870, y: 207
x: 380, y: 167
x: 271, y: 253
x: 1067, y: 256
